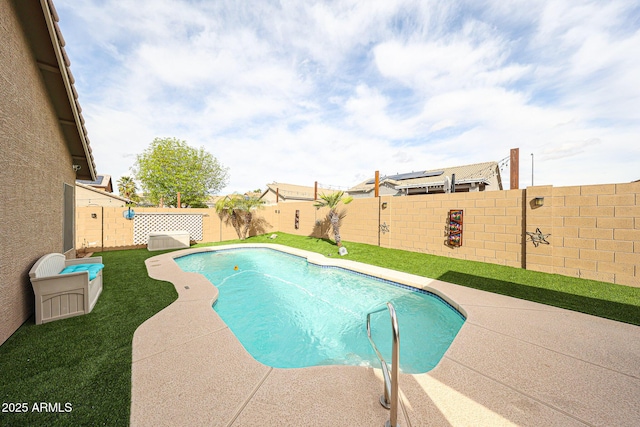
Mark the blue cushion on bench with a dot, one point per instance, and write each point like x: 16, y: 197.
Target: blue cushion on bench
x: 93, y: 269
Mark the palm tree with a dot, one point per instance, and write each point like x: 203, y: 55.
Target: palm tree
x: 226, y: 209
x: 238, y: 210
x: 247, y: 205
x: 128, y: 188
x: 332, y: 201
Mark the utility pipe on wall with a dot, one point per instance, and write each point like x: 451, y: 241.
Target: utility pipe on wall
x: 532, y: 169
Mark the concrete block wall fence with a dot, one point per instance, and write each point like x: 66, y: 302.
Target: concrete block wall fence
x: 592, y: 231
x: 492, y: 228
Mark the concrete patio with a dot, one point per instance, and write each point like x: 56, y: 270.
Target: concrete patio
x: 514, y: 362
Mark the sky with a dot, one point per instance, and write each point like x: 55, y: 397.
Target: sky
x: 299, y: 92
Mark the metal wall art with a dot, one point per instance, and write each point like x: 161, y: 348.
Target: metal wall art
x: 455, y: 227
x: 384, y: 228
x: 538, y: 237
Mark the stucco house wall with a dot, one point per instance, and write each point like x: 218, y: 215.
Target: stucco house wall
x: 35, y: 166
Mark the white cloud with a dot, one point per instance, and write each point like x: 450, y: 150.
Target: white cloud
x: 568, y: 149
x: 445, y: 65
x: 332, y: 91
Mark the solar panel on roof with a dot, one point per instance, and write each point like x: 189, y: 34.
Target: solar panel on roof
x: 408, y: 175
x: 413, y: 175
x: 432, y: 173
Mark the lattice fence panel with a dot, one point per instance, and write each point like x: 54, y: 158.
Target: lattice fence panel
x: 143, y: 224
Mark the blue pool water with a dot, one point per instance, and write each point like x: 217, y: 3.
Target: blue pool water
x: 289, y: 313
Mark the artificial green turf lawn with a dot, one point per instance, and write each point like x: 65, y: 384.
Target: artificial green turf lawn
x: 86, y: 360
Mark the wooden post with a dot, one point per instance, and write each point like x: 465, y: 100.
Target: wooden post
x: 514, y: 169
x: 277, y: 195
x: 315, y: 191
x: 377, y: 184
x: 179, y: 205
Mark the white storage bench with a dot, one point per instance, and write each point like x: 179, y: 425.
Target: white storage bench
x: 161, y: 240
x: 59, y: 296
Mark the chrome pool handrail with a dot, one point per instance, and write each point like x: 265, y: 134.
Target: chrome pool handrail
x: 390, y: 397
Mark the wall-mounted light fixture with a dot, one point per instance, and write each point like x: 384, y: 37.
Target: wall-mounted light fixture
x: 538, y: 201
x: 384, y: 205
x: 94, y: 216
x: 76, y: 168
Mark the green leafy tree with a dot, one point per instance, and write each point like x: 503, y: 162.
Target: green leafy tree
x: 335, y: 216
x: 128, y: 188
x: 169, y: 166
x: 237, y: 210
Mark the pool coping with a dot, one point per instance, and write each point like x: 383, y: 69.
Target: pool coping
x: 514, y: 362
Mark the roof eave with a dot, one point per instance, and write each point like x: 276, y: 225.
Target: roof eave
x: 39, y: 20
x: 51, y: 18
x: 441, y: 183
x: 103, y: 193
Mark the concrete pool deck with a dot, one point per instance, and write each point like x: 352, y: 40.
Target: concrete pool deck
x: 514, y: 362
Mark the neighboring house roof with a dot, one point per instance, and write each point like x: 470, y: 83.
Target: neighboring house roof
x: 212, y: 200
x: 40, y: 21
x: 479, y: 173
x: 253, y: 194
x: 289, y: 192
x: 366, y: 186
x: 102, y: 182
x: 99, y: 194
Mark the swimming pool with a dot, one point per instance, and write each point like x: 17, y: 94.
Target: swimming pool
x: 289, y: 313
